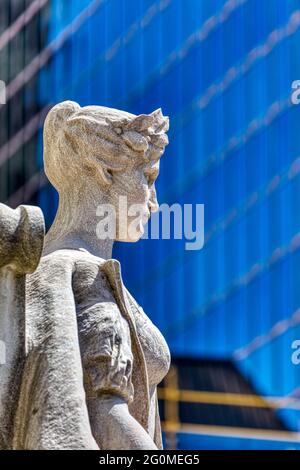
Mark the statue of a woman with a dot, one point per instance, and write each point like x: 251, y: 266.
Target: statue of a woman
x: 93, y: 357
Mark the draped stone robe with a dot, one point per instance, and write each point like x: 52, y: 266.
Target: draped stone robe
x: 43, y: 398
x: 53, y: 411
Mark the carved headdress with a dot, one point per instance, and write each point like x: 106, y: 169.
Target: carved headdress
x: 99, y: 140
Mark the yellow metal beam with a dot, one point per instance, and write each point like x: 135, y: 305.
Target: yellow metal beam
x: 228, y: 399
x: 229, y: 431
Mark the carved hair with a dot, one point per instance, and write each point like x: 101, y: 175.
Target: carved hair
x: 99, y: 141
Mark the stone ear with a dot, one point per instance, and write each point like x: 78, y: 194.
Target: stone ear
x: 106, y: 174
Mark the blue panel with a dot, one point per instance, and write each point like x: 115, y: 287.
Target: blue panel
x: 235, y: 152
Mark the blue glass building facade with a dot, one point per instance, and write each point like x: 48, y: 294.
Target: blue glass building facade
x: 222, y: 70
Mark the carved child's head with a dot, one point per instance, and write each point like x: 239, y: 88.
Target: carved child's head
x: 114, y: 150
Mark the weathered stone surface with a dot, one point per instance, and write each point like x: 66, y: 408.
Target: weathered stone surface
x: 93, y: 357
x: 21, y: 243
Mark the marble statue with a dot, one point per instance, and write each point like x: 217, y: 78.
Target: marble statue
x: 21, y: 244
x: 93, y: 358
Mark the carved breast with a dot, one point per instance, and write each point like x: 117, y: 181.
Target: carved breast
x: 155, y: 348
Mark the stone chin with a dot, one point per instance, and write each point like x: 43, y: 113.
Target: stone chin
x: 133, y: 236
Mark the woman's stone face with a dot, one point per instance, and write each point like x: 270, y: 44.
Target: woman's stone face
x: 134, y: 198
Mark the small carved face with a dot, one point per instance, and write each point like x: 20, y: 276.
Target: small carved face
x: 134, y: 198
x: 133, y: 188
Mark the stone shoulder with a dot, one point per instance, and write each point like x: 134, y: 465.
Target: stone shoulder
x: 69, y: 258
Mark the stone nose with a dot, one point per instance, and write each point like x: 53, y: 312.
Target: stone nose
x: 153, y: 203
